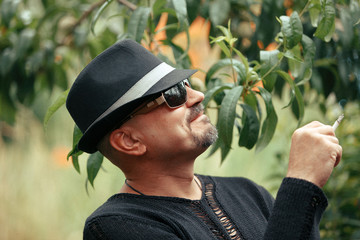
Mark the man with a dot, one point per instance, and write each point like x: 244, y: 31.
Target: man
x: 146, y: 119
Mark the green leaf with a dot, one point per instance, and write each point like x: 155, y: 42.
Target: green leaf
x: 181, y: 13
x: 314, y: 11
x: 34, y: 62
x: 138, y: 23
x: 309, y: 50
x: 226, y: 32
x: 75, y: 161
x: 268, y: 60
x: 77, y: 134
x: 250, y: 129
x: 224, y: 63
x: 24, y: 42
x: 294, y: 54
x: 98, y: 13
x: 220, y: 144
x: 75, y: 152
x: 294, y: 61
x: 55, y: 106
x: 93, y: 165
x: 8, y: 10
x: 218, y: 11
x: 223, y: 148
x: 298, y: 95
x: 7, y: 60
x: 327, y: 24
x: 224, y: 48
x: 227, y: 114
x: 243, y: 59
x: 292, y: 29
x: 157, y: 7
x: 251, y: 100
x: 213, y: 92
x: 270, y: 122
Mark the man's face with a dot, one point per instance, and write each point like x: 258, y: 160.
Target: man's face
x: 180, y: 130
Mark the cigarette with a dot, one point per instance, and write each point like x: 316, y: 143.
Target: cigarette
x: 338, y: 121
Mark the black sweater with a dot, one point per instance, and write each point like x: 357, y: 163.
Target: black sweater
x: 230, y: 208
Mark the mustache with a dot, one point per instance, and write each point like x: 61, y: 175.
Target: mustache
x: 194, y: 111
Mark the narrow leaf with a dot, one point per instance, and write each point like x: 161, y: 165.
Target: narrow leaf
x: 97, y: 15
x: 226, y: 32
x: 224, y: 149
x: 227, y: 114
x: 75, y: 152
x: 250, y: 129
x: 181, y: 13
x: 55, y: 106
x: 75, y: 161
x: 270, y: 122
x: 224, y: 48
x: 243, y: 59
x: 138, y: 23
x: 298, y: 95
x: 93, y: 165
x: 213, y: 92
x: 157, y: 7
x: 221, y: 64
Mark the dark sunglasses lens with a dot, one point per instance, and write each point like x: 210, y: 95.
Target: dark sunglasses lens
x: 176, y: 96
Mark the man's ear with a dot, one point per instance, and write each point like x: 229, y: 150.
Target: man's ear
x: 124, y: 141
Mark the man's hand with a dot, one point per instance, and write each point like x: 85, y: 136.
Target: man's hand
x: 314, y: 153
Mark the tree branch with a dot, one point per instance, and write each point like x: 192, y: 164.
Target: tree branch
x: 128, y: 4
x: 80, y: 20
x: 85, y: 14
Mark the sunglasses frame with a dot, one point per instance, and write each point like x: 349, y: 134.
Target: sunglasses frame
x: 149, y: 106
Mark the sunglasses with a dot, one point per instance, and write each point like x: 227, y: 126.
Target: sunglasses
x: 174, y: 97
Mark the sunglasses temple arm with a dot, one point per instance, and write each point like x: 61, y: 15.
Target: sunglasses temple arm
x: 148, y: 106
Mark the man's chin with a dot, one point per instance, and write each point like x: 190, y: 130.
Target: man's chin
x: 207, y: 138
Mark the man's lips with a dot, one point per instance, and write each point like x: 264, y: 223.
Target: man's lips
x: 196, y: 111
x: 197, y: 116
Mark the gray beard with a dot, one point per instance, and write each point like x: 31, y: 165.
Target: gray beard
x: 206, y: 139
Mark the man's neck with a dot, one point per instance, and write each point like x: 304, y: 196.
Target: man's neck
x: 180, y: 183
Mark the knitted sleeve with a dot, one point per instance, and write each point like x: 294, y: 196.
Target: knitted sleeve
x: 117, y: 227
x: 297, y: 211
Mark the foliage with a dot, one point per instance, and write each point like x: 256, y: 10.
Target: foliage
x: 342, y: 218
x: 303, y: 45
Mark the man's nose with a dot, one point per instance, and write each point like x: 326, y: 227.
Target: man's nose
x: 194, y: 97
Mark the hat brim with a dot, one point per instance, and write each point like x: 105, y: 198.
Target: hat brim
x: 90, y: 139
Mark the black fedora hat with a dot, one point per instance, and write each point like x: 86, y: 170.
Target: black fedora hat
x: 113, y: 84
